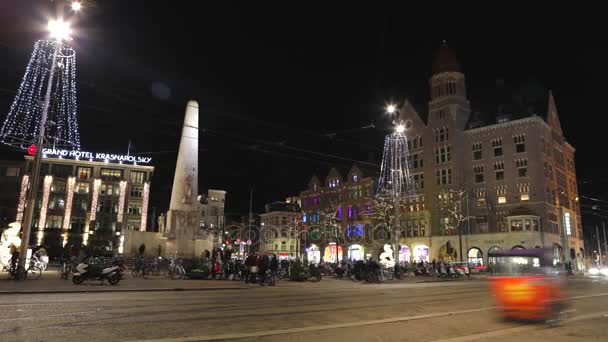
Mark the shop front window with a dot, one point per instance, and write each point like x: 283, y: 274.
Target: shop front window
x: 355, y: 252
x: 421, y: 253
x: 516, y: 226
x: 404, y: 254
x: 475, y: 257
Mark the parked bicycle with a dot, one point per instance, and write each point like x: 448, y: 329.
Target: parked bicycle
x: 176, y: 270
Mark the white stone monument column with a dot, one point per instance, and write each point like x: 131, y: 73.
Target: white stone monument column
x: 183, y: 217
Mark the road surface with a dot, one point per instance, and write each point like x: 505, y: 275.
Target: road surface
x: 332, y: 310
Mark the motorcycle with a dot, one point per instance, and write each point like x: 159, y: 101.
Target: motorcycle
x: 87, y: 271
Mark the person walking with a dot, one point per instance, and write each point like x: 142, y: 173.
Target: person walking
x: 274, y: 268
x: 249, y: 263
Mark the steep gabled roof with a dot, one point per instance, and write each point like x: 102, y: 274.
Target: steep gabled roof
x: 408, y: 112
x: 552, y: 117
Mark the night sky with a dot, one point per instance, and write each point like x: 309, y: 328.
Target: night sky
x: 287, y: 89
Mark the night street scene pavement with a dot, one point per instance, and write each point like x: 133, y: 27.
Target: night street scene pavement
x: 301, y: 171
x: 459, y: 310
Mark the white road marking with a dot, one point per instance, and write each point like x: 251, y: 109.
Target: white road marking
x: 509, y: 331
x: 312, y: 328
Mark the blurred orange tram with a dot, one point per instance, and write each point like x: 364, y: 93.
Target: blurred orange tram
x: 526, y: 285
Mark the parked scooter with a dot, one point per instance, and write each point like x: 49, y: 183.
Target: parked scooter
x: 87, y: 271
x: 463, y: 271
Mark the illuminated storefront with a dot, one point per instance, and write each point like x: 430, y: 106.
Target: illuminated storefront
x: 356, y: 252
x: 330, y: 253
x: 421, y: 253
x: 404, y: 254
x: 314, y: 254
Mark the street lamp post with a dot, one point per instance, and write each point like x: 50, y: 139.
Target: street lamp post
x: 59, y: 31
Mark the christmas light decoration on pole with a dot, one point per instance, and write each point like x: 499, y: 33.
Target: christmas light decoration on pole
x: 121, y: 201
x: 68, y: 208
x: 94, y: 199
x: 37, y: 119
x: 46, y: 192
x: 25, y: 181
x: 144, y: 207
x: 395, y: 179
x: 52, y: 65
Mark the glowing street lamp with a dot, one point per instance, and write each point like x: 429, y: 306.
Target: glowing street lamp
x: 76, y: 6
x: 400, y: 128
x: 59, y: 29
x: 391, y: 109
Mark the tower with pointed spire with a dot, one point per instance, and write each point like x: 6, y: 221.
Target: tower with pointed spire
x: 448, y: 89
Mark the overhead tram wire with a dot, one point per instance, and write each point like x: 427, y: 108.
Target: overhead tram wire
x: 293, y: 148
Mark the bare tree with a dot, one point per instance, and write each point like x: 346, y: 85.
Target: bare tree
x: 383, y: 208
x: 454, y: 205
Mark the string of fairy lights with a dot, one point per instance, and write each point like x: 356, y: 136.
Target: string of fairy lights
x: 395, y: 172
x: 22, y: 123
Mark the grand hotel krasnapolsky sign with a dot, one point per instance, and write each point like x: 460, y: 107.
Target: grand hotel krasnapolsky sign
x: 105, y: 157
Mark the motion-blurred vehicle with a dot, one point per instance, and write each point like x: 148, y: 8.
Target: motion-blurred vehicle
x: 527, y: 286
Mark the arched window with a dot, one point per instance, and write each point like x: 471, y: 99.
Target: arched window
x: 494, y: 249
x: 475, y: 256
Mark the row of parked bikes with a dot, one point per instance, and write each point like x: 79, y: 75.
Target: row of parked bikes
x: 168, y: 267
x: 33, y: 270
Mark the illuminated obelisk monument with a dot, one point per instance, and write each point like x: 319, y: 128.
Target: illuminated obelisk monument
x: 183, y: 218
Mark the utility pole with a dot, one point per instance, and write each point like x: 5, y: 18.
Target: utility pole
x: 250, y: 219
x: 604, y: 228
x: 599, y: 247
x: 31, y: 198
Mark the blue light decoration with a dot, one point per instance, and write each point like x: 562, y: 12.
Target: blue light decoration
x: 339, y: 213
x: 355, y: 231
x: 21, y: 125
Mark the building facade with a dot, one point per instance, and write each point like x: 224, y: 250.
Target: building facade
x: 80, y: 201
x: 337, y: 216
x: 516, y: 179
x: 11, y: 173
x: 280, y: 230
x: 212, y: 215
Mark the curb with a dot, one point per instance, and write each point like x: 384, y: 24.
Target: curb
x: 160, y: 289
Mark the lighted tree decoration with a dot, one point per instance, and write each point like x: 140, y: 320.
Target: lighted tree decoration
x: 20, y: 128
x: 395, y: 175
x: 395, y: 179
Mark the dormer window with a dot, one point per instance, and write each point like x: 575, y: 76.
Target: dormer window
x: 355, y: 178
x: 314, y: 187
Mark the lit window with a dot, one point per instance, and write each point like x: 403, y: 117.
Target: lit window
x: 497, y: 146
x: 478, y: 170
x: 111, y: 174
x: 502, y: 199
x: 12, y: 171
x: 355, y: 178
x: 136, y: 177
x: 477, y: 151
x: 524, y: 197
x: 522, y: 167
x: 84, y: 172
x: 499, y: 169
x: 520, y: 143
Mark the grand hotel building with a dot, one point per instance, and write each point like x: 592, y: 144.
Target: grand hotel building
x: 519, y: 175
x: 81, y: 200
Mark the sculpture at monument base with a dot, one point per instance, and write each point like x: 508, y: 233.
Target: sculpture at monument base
x: 9, y: 237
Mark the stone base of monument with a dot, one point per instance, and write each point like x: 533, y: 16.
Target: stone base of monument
x: 156, y: 245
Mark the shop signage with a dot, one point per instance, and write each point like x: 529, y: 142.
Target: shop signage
x: 110, y: 157
x: 493, y: 242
